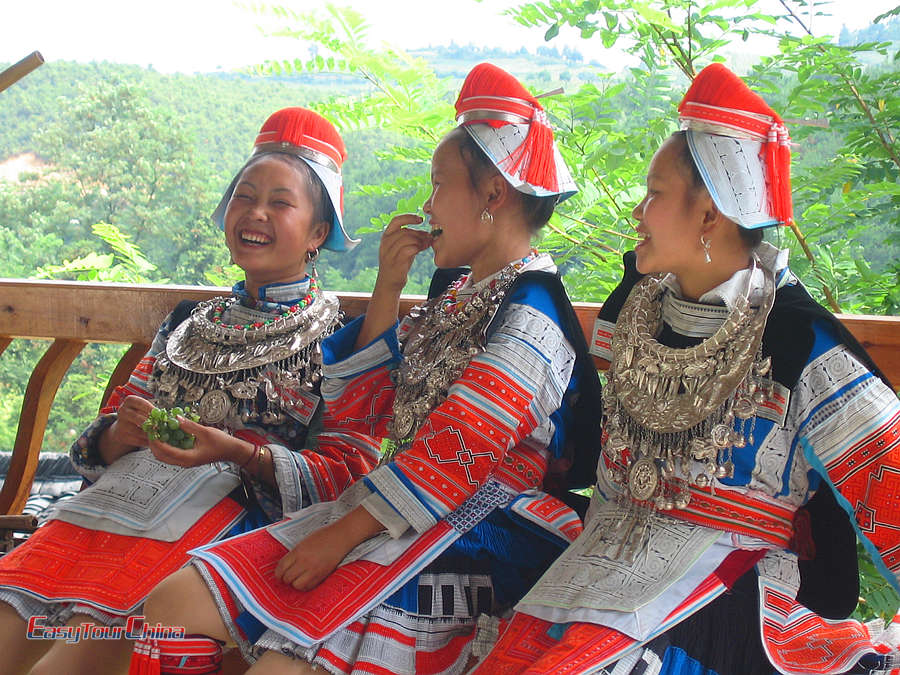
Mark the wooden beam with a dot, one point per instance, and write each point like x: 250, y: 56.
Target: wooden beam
x: 39, y: 394
x: 93, y: 312
x: 880, y: 335
x: 19, y: 70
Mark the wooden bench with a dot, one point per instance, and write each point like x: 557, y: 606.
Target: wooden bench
x: 72, y: 314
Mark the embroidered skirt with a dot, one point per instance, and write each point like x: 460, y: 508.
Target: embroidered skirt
x: 98, y: 573
x: 406, y: 605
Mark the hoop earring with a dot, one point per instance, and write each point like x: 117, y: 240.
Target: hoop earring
x: 704, y: 242
x: 487, y: 218
x: 311, y: 257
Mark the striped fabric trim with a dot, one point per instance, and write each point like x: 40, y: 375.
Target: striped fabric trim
x: 601, y: 341
x: 193, y: 655
x: 799, y: 642
x: 549, y: 513
x: 753, y: 124
x: 748, y: 514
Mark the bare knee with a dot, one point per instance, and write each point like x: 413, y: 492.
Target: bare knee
x: 19, y: 653
x: 81, y: 656
x: 183, y: 600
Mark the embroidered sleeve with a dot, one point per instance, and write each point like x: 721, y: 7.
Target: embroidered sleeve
x: 85, y: 453
x: 849, y: 430
x: 310, y: 468
x: 504, y: 395
x: 357, y: 387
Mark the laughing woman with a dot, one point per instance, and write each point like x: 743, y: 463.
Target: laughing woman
x: 474, y: 397
x: 250, y: 365
x: 732, y: 399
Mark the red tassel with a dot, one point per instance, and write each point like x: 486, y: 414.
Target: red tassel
x: 536, y: 153
x: 144, y: 658
x: 491, y: 89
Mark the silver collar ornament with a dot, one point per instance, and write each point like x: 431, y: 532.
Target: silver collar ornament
x: 670, y: 411
x: 234, y: 376
x: 436, y: 350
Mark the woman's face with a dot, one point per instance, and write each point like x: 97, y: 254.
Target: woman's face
x: 670, y: 216
x: 268, y: 222
x: 455, y: 207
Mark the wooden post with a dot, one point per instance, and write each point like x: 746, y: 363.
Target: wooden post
x: 19, y: 70
x: 39, y: 394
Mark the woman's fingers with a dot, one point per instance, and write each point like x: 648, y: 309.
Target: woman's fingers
x: 399, y: 222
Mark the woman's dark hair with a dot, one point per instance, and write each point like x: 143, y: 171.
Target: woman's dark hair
x: 751, y: 238
x: 323, y: 211
x: 537, y: 210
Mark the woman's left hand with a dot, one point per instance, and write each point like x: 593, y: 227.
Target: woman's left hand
x: 318, y: 555
x: 307, y: 564
x: 210, y: 445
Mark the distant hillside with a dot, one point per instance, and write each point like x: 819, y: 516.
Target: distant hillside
x: 885, y: 31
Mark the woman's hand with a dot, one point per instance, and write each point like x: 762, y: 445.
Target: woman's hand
x: 319, y: 554
x: 210, y: 445
x: 130, y: 416
x: 399, y: 247
x: 314, y: 558
x: 125, y: 434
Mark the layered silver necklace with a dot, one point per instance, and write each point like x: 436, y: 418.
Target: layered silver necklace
x: 668, y: 411
x: 446, y: 333
x: 239, y: 375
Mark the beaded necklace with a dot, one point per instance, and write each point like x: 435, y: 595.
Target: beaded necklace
x: 452, y: 303
x: 300, y: 305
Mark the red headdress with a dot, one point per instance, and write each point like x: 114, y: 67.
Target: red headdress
x: 719, y: 103
x: 512, y: 128
x: 309, y: 136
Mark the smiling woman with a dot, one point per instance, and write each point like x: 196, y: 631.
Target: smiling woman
x: 250, y: 365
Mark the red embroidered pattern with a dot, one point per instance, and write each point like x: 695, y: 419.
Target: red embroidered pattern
x: 867, y: 477
x: 312, y: 615
x: 64, y: 562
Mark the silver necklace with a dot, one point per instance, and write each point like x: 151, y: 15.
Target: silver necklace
x: 222, y: 370
x: 444, y: 338
x: 668, y: 410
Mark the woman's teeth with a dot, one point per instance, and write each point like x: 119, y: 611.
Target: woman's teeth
x: 251, y: 238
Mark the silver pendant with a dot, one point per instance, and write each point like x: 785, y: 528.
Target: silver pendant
x: 643, y: 479
x: 213, y: 407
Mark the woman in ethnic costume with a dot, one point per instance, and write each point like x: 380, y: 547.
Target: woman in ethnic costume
x: 472, y: 396
x: 732, y: 398
x: 250, y: 366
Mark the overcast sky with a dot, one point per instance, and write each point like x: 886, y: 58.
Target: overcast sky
x: 206, y: 35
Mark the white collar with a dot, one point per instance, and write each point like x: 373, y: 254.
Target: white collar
x: 702, y: 319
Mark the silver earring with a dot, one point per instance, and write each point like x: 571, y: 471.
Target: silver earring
x: 311, y: 257
x: 704, y: 242
x: 487, y: 218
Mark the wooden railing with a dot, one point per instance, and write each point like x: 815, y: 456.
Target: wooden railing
x: 72, y: 314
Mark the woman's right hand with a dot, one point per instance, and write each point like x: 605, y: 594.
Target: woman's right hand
x: 399, y: 247
x: 125, y: 434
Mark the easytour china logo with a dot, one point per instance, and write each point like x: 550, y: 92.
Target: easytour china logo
x: 134, y: 629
